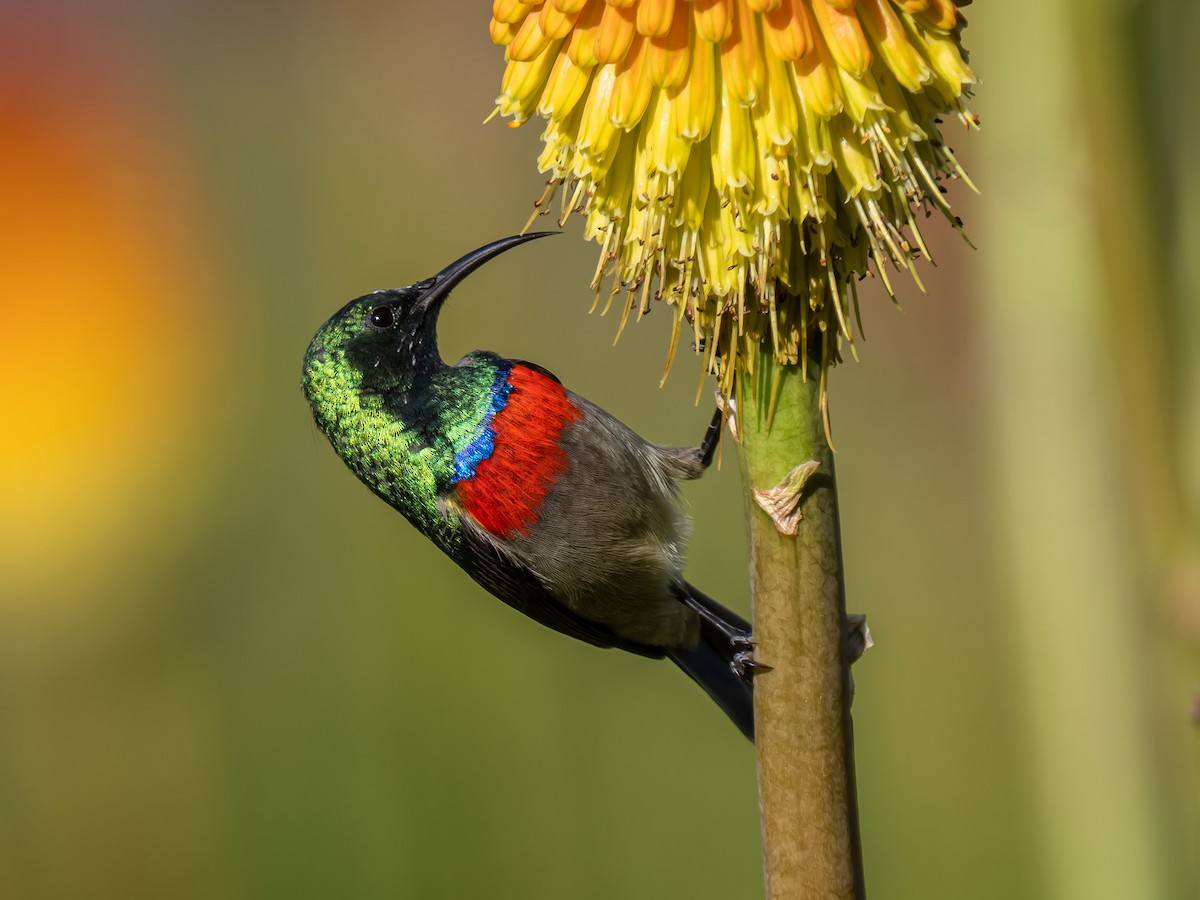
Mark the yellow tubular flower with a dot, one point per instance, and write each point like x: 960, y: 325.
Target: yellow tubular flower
x: 743, y: 160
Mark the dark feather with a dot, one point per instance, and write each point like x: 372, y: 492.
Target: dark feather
x: 710, y: 663
x: 709, y: 668
x: 503, y: 576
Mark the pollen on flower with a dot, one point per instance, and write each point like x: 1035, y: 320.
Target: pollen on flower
x: 745, y: 161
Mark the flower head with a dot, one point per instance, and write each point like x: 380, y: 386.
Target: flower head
x: 743, y: 160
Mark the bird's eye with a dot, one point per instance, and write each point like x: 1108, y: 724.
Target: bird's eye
x: 382, y: 317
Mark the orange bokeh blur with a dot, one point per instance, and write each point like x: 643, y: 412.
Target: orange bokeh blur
x: 102, y: 301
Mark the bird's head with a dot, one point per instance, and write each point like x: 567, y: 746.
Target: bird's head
x: 387, y: 340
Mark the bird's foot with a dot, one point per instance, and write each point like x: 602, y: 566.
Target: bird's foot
x: 855, y: 642
x: 746, y: 666
x: 858, y: 638
x: 743, y: 640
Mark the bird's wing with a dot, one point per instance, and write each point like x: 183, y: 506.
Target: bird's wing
x: 505, y: 576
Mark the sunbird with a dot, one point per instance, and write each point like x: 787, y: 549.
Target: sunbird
x: 546, y: 500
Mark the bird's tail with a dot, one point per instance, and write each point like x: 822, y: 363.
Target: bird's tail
x: 712, y: 664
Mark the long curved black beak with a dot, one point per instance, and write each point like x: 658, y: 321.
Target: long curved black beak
x: 446, y: 280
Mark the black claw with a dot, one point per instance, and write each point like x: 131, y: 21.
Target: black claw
x: 747, y: 666
x: 743, y: 639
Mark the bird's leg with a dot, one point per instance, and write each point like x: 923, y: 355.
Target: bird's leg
x: 737, y: 637
x: 708, y: 446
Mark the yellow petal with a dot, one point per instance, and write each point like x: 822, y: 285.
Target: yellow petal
x: 502, y: 33
x: 662, y: 149
x: 632, y: 90
x: 669, y: 55
x: 816, y: 140
x: 902, y: 127
x: 852, y: 160
x: 801, y: 203
x: 594, y: 167
x: 742, y: 64
x: 774, y: 183
x: 732, y: 143
x: 617, y: 30
x: 844, y: 36
x: 714, y: 19
x: 889, y: 34
x: 555, y: 153
x: 511, y: 10
x: 521, y: 86
x: 596, y: 130
x: 564, y: 87
x: 763, y: 6
x: 530, y: 40
x: 711, y: 255
x: 612, y: 196
x: 692, y: 197
x: 555, y: 23
x: 582, y: 43
x: 785, y: 31
x: 859, y: 95
x: 941, y: 14
x: 654, y: 17
x: 815, y: 81
x: 779, y: 109
x: 639, y: 231
x: 948, y: 66
x: 697, y: 96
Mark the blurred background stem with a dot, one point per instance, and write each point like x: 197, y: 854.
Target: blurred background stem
x: 805, y: 748
x: 1083, y: 398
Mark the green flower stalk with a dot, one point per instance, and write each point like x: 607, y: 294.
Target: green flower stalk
x: 745, y: 161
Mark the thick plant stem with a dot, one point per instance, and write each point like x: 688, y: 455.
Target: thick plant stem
x: 803, y: 730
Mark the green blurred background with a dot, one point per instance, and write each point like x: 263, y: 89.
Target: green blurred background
x: 212, y: 682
